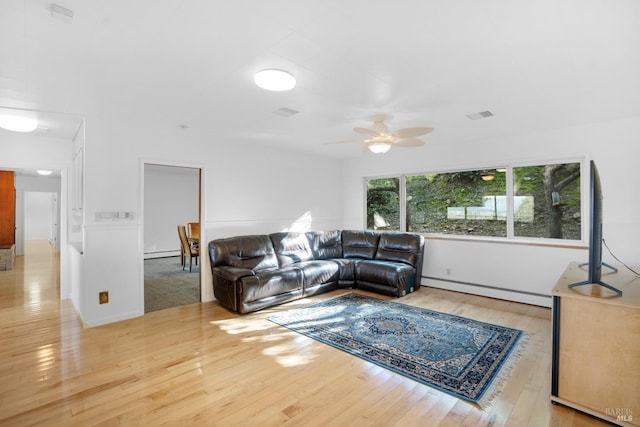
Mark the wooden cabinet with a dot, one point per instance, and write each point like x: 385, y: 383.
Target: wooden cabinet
x: 7, y: 208
x: 596, y: 346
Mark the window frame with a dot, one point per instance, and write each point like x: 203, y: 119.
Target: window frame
x: 401, y: 196
x: 511, y: 237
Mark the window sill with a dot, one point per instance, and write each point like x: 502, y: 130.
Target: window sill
x: 552, y: 243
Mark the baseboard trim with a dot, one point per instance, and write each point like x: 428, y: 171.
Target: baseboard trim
x: 488, y: 291
x: 163, y: 254
x: 111, y: 319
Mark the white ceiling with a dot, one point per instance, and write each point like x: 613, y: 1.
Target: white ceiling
x: 165, y: 64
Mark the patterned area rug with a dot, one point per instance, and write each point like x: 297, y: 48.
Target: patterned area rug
x: 460, y: 356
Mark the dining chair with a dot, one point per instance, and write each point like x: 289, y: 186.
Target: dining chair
x: 188, y: 249
x: 193, y: 230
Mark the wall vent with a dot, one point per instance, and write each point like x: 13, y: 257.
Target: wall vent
x: 61, y: 13
x: 286, y: 112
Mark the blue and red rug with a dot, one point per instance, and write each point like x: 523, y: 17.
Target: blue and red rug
x: 460, y: 356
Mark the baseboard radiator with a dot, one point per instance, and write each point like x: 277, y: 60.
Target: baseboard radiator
x: 515, y: 295
x: 161, y: 254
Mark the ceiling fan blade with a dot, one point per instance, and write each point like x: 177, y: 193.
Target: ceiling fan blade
x: 365, y: 131
x: 411, y: 132
x: 409, y: 142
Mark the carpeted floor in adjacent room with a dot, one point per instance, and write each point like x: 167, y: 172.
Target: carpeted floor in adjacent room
x: 167, y: 285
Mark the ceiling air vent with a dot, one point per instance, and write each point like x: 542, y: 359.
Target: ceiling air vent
x: 480, y: 115
x: 61, y: 13
x: 286, y: 112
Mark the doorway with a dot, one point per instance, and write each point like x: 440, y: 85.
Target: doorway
x: 39, y: 236
x: 41, y: 217
x: 171, y: 197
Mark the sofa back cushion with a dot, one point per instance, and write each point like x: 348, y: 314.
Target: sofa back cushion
x: 400, y: 247
x: 291, y: 247
x: 325, y: 244
x: 254, y: 252
x: 359, y: 243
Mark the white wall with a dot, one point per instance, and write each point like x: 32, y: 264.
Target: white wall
x: 246, y: 189
x: 38, y: 216
x: 528, y: 270
x: 170, y: 198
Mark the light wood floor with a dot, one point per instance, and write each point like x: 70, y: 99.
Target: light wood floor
x: 202, y: 365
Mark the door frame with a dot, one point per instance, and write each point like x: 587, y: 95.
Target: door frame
x: 63, y: 194
x: 201, y: 215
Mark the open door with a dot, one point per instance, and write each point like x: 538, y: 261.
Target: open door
x: 7, y: 209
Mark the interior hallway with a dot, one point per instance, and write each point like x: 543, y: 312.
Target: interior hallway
x: 32, y: 287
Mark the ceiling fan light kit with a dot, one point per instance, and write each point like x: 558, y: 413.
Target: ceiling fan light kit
x: 379, y: 147
x: 381, y: 139
x: 275, y: 80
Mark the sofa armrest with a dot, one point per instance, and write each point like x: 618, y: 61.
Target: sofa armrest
x: 232, y: 274
x: 226, y: 281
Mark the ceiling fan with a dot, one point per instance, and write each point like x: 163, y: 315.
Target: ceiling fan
x: 381, y: 139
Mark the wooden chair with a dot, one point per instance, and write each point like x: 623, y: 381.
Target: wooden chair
x: 193, y: 234
x: 193, y: 230
x: 188, y: 249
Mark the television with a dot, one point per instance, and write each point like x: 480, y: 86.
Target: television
x: 595, y: 264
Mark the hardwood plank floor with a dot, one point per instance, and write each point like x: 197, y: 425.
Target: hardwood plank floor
x: 200, y: 364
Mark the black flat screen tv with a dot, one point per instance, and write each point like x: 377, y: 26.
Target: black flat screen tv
x: 594, y: 265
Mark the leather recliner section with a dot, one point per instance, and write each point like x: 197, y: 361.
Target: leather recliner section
x: 359, y: 244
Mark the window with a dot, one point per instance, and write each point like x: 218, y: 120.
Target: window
x: 547, y: 201
x: 538, y: 201
x: 467, y: 202
x: 383, y: 204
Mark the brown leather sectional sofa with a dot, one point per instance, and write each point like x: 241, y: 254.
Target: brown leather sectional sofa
x: 257, y: 271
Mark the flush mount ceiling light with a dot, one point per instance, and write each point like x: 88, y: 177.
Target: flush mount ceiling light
x: 44, y: 172
x: 275, y: 80
x: 18, y: 123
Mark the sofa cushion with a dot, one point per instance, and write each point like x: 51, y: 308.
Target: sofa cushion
x: 359, y: 243
x: 268, y: 283
x: 396, y: 274
x: 318, y: 272
x: 253, y: 252
x: 399, y: 247
x: 291, y: 247
x: 325, y: 244
x: 347, y: 271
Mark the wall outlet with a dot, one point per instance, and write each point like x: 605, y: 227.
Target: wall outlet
x: 448, y: 272
x: 104, y: 297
